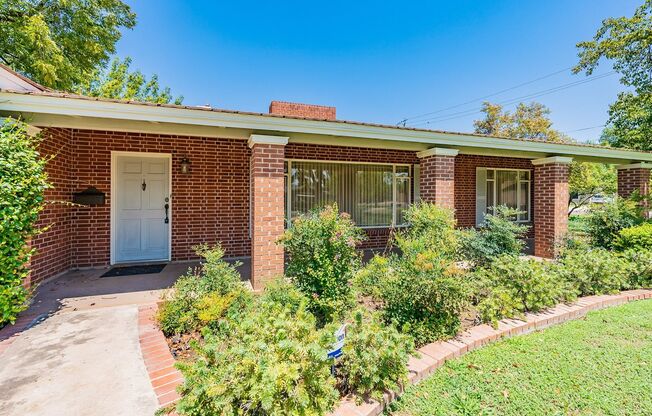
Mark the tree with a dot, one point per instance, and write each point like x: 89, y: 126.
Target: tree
x: 627, y: 43
x: 59, y: 43
x: 529, y: 121
x: 587, y: 180
x: 118, y: 82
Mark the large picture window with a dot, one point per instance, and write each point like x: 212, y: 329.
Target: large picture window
x: 508, y: 187
x: 375, y: 195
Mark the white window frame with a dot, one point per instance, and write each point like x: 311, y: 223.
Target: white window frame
x: 288, y: 190
x: 518, y: 189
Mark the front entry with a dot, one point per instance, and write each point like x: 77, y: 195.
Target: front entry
x: 142, y: 210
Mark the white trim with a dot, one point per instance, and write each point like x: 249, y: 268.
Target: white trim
x: 437, y: 151
x: 642, y: 165
x: 560, y: 160
x: 263, y: 139
x: 114, y: 159
x: 16, y: 102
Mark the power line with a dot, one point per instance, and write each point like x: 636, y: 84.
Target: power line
x: 511, y: 101
x: 584, y: 128
x: 404, y: 121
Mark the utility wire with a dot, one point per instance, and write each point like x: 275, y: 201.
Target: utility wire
x: 585, y: 128
x: 511, y: 101
x: 405, y: 120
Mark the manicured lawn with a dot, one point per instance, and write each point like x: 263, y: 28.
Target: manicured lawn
x: 599, y: 365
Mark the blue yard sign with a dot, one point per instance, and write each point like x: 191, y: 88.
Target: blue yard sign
x: 340, y: 335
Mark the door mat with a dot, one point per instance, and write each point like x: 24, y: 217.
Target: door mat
x: 131, y: 270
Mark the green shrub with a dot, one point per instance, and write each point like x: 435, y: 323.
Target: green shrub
x: 322, y: 258
x: 274, y: 363
x: 498, y: 235
x: 605, y: 222
x: 374, y: 357
x: 218, y: 311
x: 639, y: 268
x: 421, y: 290
x: 593, y: 272
x: 638, y: 238
x: 23, y: 182
x: 430, y: 228
x: 180, y: 310
x: 284, y: 294
x: 511, y: 286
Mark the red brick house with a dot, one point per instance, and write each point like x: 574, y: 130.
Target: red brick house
x: 175, y: 176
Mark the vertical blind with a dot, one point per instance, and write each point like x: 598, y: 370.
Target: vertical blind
x: 510, y: 188
x: 374, y: 195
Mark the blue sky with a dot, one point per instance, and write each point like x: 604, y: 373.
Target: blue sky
x: 377, y: 61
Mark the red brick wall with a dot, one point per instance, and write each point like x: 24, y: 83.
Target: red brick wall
x: 209, y: 205
x: 551, y: 204
x: 283, y: 108
x: 465, y: 167
x: 634, y: 179
x: 54, y: 246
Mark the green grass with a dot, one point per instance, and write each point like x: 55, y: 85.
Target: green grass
x: 599, y: 365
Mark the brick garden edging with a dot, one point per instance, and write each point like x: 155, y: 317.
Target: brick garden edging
x: 157, y: 356
x: 436, y: 354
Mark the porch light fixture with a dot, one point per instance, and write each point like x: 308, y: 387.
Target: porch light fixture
x: 185, y: 165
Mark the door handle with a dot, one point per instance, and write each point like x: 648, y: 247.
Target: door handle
x: 167, y: 220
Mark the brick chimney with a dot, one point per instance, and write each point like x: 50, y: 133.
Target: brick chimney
x: 283, y: 108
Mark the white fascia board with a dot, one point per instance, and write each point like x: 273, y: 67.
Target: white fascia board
x: 29, y: 103
x: 437, y: 151
x: 255, y: 139
x: 559, y: 160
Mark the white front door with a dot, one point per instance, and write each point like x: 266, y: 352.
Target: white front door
x: 142, y: 226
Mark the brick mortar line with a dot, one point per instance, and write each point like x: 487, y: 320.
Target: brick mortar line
x: 434, y: 355
x: 156, y: 356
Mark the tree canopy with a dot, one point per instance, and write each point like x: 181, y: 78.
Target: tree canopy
x: 528, y: 121
x: 627, y: 43
x: 531, y: 122
x: 59, y: 43
x: 119, y: 82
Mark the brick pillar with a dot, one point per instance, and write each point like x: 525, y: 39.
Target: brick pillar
x: 267, y: 207
x: 634, y: 178
x: 550, y: 203
x: 436, y: 183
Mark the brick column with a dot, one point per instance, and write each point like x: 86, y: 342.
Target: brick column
x: 634, y: 178
x: 436, y: 183
x: 267, y: 207
x: 550, y: 203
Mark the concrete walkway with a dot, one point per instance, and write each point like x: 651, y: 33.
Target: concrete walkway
x: 78, y: 363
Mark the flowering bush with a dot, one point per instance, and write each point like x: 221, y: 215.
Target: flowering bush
x: 421, y: 290
x: 202, y: 290
x: 322, y: 258
x: 273, y: 363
